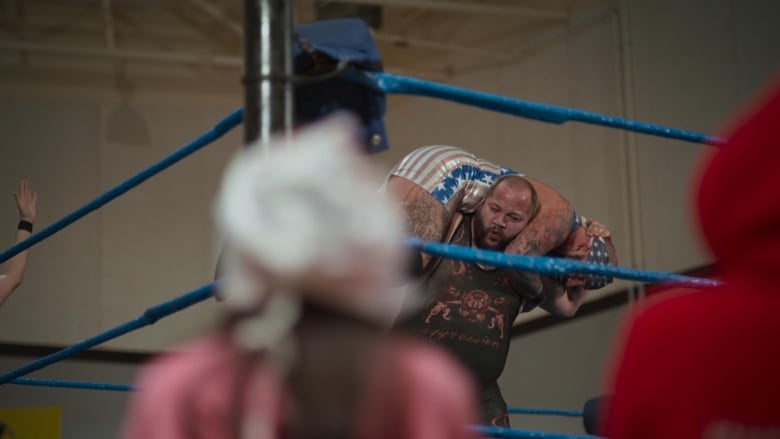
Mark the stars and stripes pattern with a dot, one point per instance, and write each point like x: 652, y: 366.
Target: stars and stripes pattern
x: 598, y: 254
x: 453, y: 176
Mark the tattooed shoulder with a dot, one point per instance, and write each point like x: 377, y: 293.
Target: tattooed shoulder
x: 427, y: 219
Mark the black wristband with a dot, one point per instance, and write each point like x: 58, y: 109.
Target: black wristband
x: 25, y: 225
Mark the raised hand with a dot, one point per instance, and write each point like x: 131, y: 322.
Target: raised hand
x: 25, y: 202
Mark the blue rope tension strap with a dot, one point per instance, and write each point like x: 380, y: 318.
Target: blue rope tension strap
x: 72, y: 384
x: 149, y: 317
x: 221, y: 128
x: 500, y: 432
x: 394, y: 84
x: 551, y: 266
x: 549, y: 412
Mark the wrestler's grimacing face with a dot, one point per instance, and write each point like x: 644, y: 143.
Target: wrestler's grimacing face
x: 501, y: 217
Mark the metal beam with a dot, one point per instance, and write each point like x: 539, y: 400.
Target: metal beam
x: 218, y: 15
x: 267, y: 69
x: 545, y: 38
x: 428, y: 44
x: 138, y: 55
x: 469, y: 7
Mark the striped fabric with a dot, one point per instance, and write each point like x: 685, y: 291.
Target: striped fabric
x: 457, y: 178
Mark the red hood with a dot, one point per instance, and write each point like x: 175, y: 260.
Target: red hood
x: 739, y: 195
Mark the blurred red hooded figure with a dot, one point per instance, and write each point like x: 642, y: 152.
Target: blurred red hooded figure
x: 706, y: 364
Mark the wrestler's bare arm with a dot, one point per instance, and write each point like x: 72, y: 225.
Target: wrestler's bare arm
x: 560, y: 300
x: 544, y: 233
x: 426, y: 217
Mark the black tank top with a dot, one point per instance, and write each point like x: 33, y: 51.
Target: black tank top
x: 470, y: 312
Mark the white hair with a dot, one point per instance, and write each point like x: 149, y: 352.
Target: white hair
x: 306, y: 213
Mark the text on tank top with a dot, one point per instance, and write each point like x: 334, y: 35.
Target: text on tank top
x: 470, y: 312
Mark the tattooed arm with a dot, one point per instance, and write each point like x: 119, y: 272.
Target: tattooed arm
x: 564, y: 299
x: 550, y: 226
x: 426, y: 217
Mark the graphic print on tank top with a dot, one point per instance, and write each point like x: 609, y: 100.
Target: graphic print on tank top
x: 470, y: 313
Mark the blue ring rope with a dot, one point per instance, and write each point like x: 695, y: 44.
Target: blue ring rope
x: 484, y: 430
x: 221, y: 128
x: 386, y: 83
x: 548, y: 412
x: 72, y: 384
x: 501, y: 432
x: 551, y: 266
x: 394, y: 84
x: 149, y: 317
x: 131, y: 388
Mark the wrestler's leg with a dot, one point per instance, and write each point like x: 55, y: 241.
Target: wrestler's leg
x: 549, y: 228
x: 426, y: 217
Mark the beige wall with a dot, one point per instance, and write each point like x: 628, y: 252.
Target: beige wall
x: 693, y: 70
x: 149, y: 245
x: 690, y: 64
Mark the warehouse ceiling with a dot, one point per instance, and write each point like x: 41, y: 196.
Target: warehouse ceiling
x: 432, y: 39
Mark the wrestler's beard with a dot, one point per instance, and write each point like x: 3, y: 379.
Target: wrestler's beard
x: 482, y: 232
